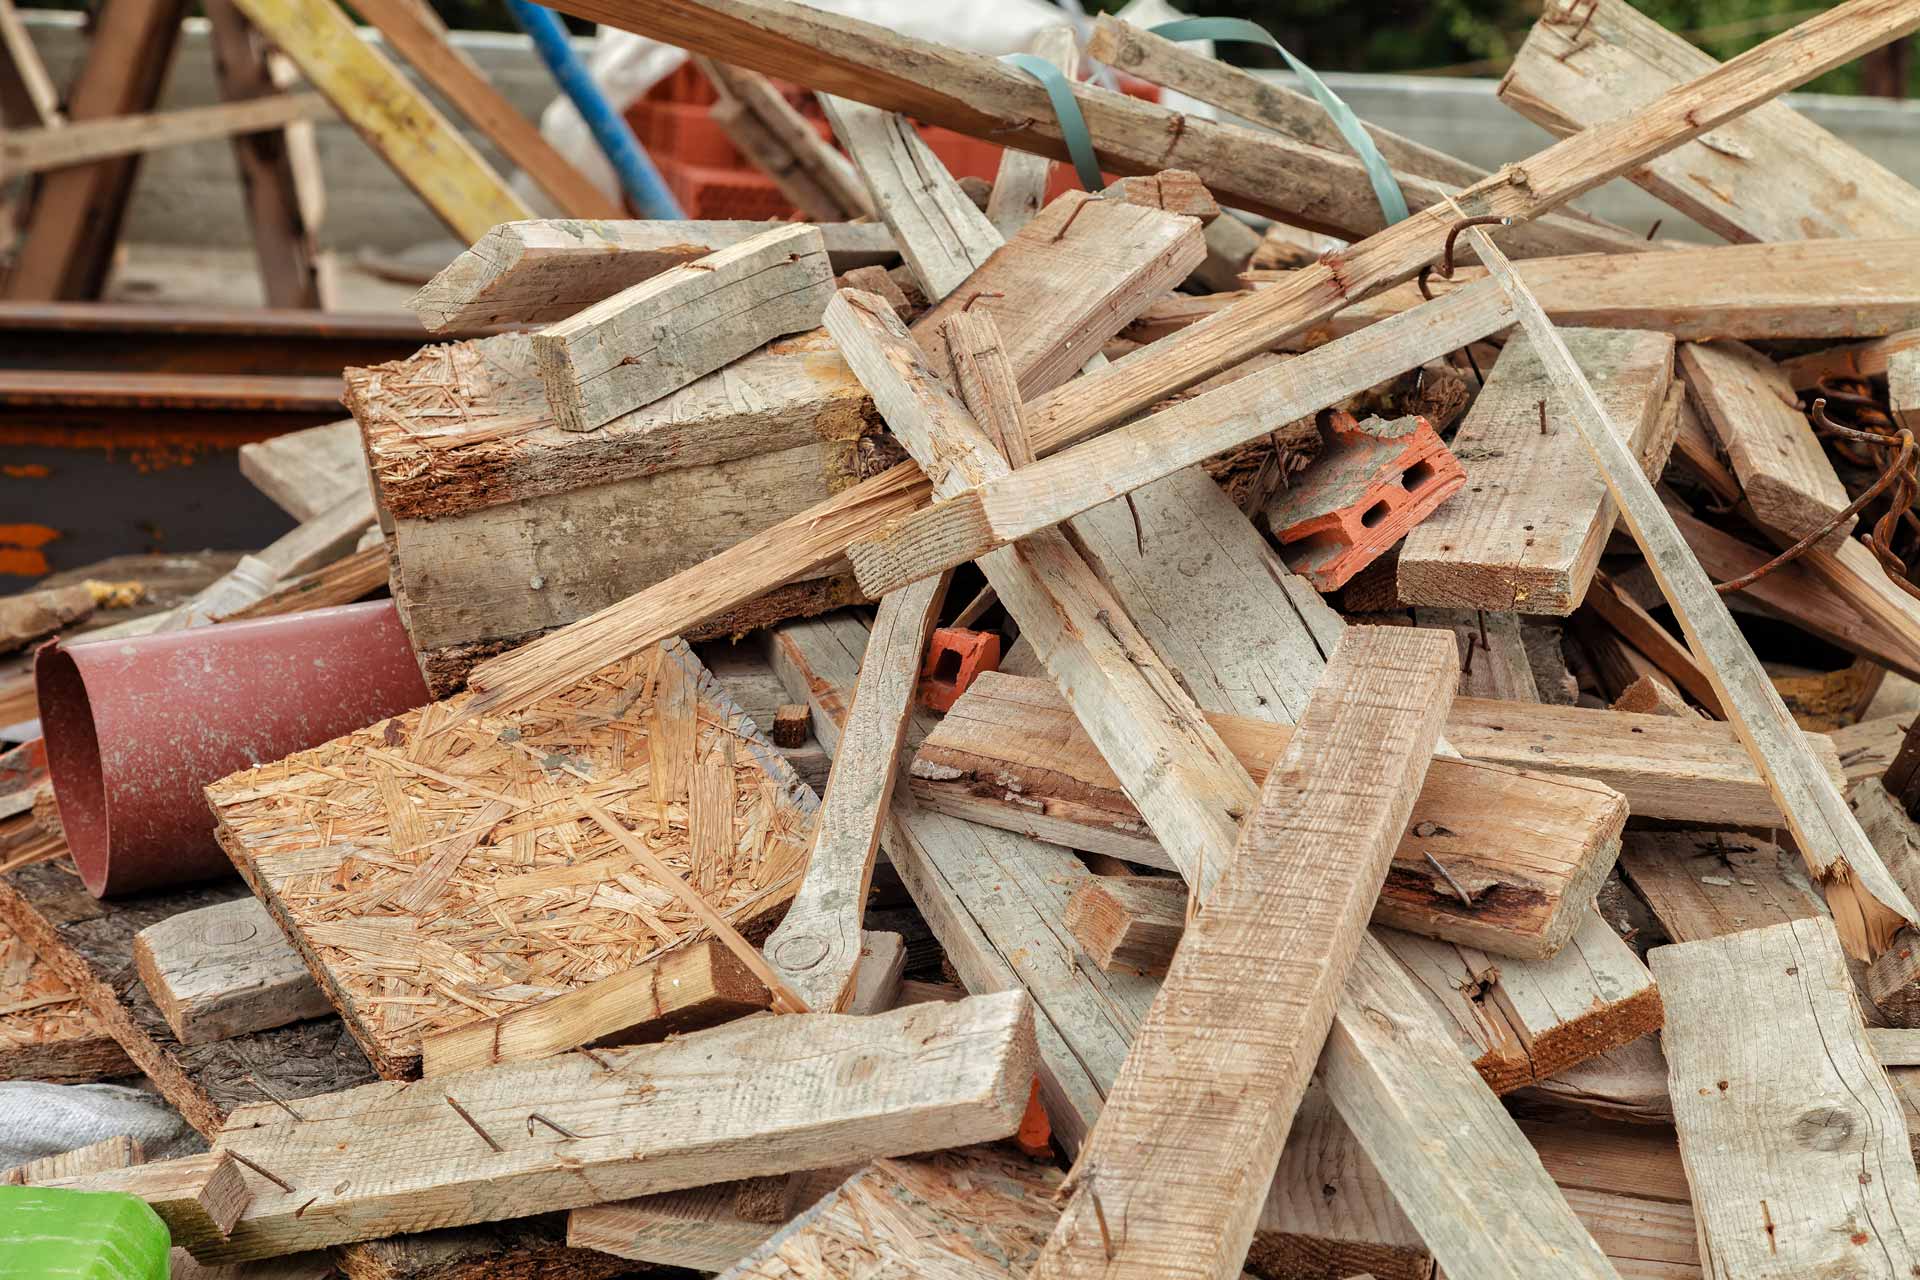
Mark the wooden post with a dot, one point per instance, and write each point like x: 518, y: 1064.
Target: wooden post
x: 1868, y: 906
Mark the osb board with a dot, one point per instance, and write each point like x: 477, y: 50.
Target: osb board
x: 46, y: 1031
x: 89, y: 944
x: 466, y: 425
x: 436, y: 869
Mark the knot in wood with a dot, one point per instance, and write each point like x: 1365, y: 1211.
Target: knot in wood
x: 802, y: 952
x: 1825, y: 1129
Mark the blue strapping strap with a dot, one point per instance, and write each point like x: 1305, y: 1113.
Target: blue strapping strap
x: 1385, y: 189
x: 1073, y: 125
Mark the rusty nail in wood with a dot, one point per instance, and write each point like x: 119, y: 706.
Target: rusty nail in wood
x: 1480, y: 615
x: 1061, y: 233
x: 535, y: 1115
x: 1654, y: 230
x: 474, y: 1124
x: 272, y: 1097
x: 1543, y: 417
x: 1100, y: 1216
x: 1451, y: 882
x: 274, y: 1178
x: 308, y: 1205
x: 1453, y: 234
x: 990, y: 293
x: 596, y: 1059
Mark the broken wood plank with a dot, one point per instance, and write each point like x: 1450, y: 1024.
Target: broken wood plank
x: 649, y: 341
x: 223, y: 971
x: 1005, y: 509
x: 1199, y: 1143
x: 1529, y: 853
x: 544, y: 270
x: 1527, y: 531
x: 1134, y: 922
x: 423, y: 43
x: 200, y: 1198
x: 46, y: 1031
x: 819, y: 180
x: 1327, y: 1208
x: 1824, y: 1181
x: 29, y: 151
x: 1771, y: 175
x: 959, y: 1215
x: 1783, y: 471
x: 1638, y: 628
x: 790, y: 726
x: 1707, y: 884
x: 816, y: 948
x: 307, y: 471
x: 395, y: 119
x: 1868, y: 907
x: 1460, y: 1166
x: 930, y: 1077
x: 690, y: 987
x: 96, y: 1157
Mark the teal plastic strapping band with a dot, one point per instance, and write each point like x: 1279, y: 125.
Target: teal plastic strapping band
x: 1385, y: 189
x: 1073, y: 126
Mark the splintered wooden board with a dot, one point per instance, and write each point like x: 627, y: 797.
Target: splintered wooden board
x: 46, y: 1031
x: 436, y: 872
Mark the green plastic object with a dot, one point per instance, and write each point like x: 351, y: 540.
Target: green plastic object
x: 50, y: 1233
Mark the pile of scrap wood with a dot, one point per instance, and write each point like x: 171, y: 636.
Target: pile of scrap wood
x: 998, y: 736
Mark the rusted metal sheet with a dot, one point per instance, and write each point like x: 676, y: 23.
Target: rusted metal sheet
x: 136, y: 728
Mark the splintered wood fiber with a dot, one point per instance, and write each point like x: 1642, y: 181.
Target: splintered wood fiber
x: 436, y: 870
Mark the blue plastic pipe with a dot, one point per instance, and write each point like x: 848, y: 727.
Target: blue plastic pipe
x: 638, y: 177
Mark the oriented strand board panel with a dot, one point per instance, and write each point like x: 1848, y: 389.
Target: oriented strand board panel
x: 1526, y: 532
x: 435, y: 873
x: 46, y: 1031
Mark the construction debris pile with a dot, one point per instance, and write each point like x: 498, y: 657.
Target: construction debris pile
x: 990, y: 734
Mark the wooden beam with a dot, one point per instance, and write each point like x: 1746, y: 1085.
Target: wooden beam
x: 414, y: 36
x: 200, y: 1198
x: 1007, y: 508
x: 1188, y: 1146
x: 1134, y: 922
x: 1327, y: 1208
x: 1020, y: 183
x: 305, y: 472
x: 819, y: 180
x: 1274, y: 106
x: 941, y: 1075
x: 1529, y: 851
x: 279, y: 171
x: 1456, y: 1160
x: 26, y: 151
x: 648, y: 341
x: 1868, y: 906
x: 394, y: 118
x: 223, y: 971
x: 1773, y: 175
x: 816, y: 948
x: 1638, y: 628
x: 1527, y: 532
x: 65, y: 248
x: 1054, y: 309
x: 1784, y: 472
x: 1777, y: 1193
x: 544, y: 270
x: 690, y: 987
x: 959, y: 1215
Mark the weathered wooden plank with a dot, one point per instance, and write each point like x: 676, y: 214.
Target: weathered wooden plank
x: 1527, y: 531
x: 1529, y: 852
x: 646, y: 342
x: 1193, y: 1129
x: 307, y: 471
x: 546, y: 269
x: 960, y: 1215
x: 1903, y: 387
x: 223, y: 971
x: 28, y: 151
x: 1772, y: 175
x: 816, y: 948
x: 1783, y: 471
x: 820, y: 181
x: 1005, y: 509
x: 1134, y: 922
x: 1868, y: 906
x: 1275, y: 106
x: 397, y: 121
x: 1638, y: 628
x: 1706, y: 884
x: 997, y: 902
x: 1493, y: 653
x: 1461, y: 1168
x: 200, y: 1198
x: 929, y: 1077
x: 1794, y: 1142
x: 685, y: 989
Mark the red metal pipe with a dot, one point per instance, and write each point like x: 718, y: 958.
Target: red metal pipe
x: 136, y: 728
